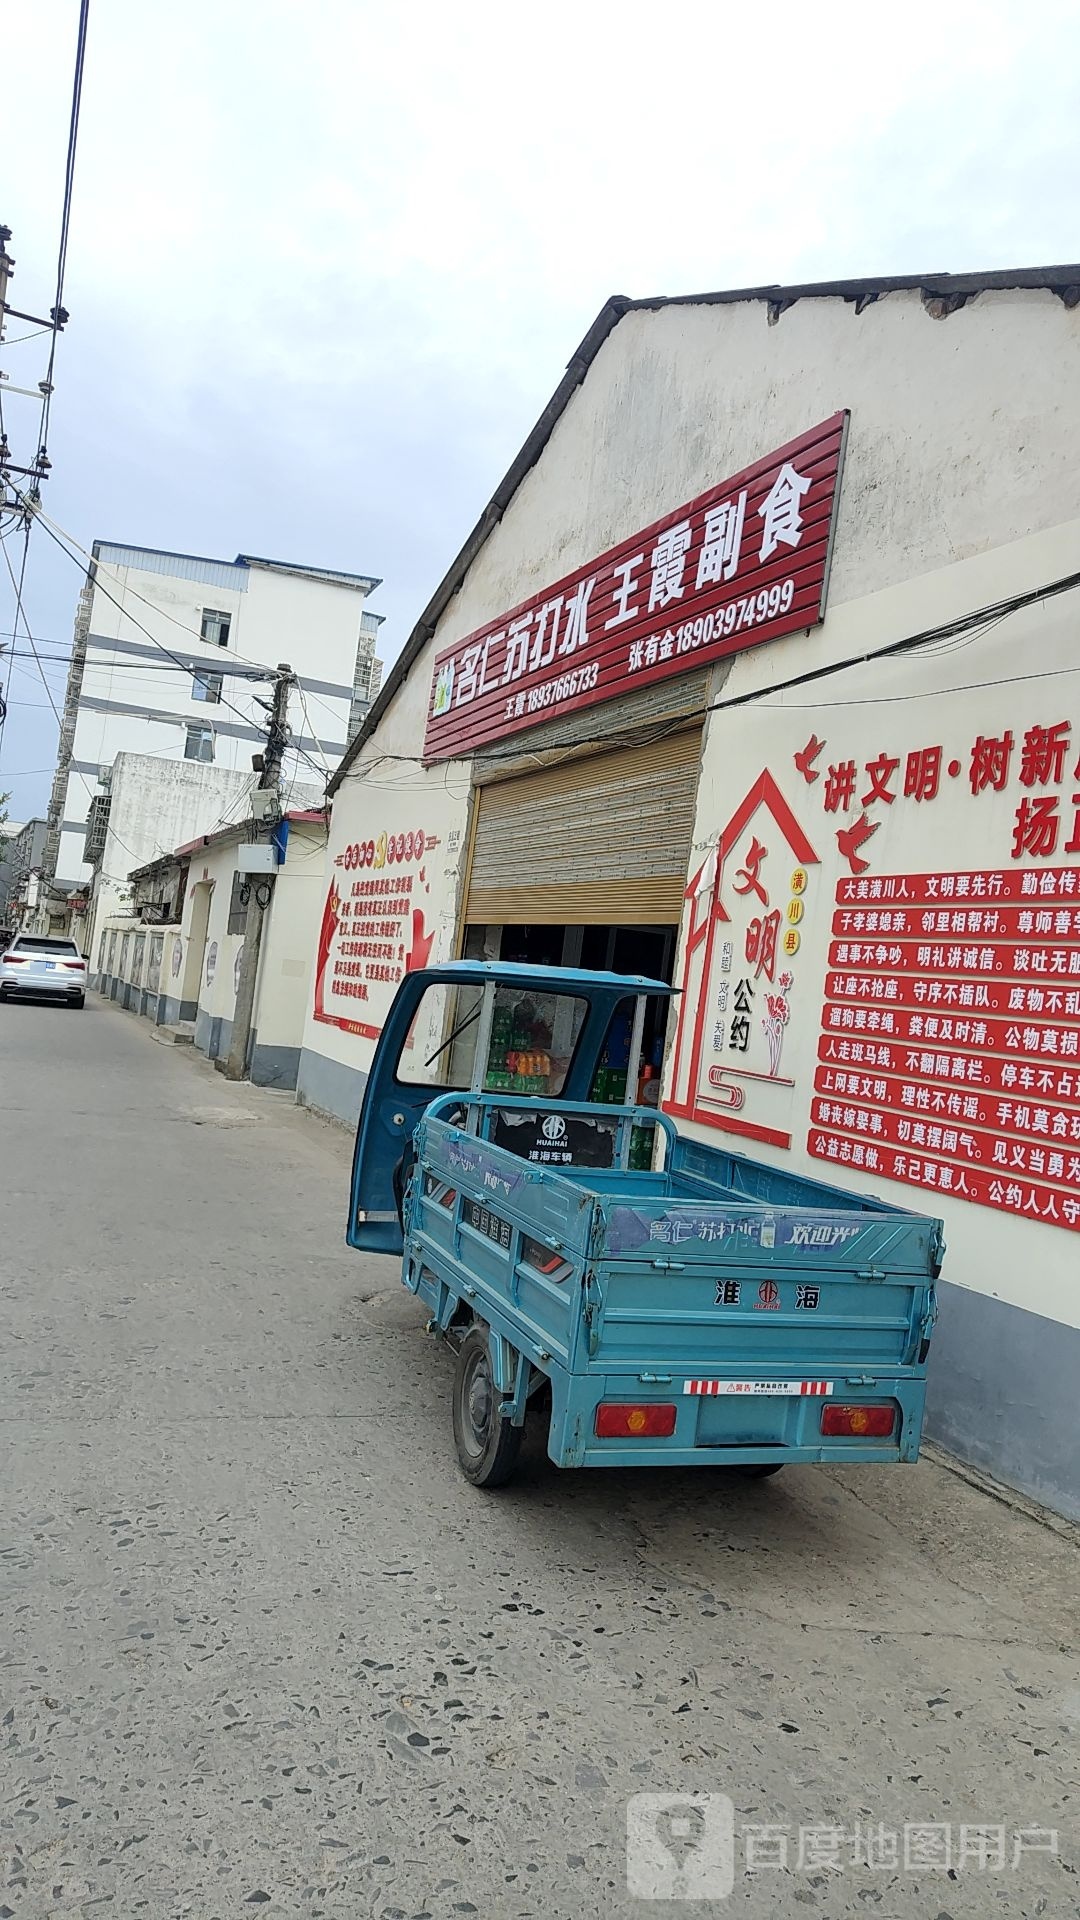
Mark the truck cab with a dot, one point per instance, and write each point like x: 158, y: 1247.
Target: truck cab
x: 537, y: 1034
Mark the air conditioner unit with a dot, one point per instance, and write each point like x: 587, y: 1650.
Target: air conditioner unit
x: 104, y: 775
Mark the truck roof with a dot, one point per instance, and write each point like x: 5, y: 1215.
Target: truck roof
x: 517, y: 973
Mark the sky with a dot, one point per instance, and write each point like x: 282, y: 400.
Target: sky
x: 328, y: 260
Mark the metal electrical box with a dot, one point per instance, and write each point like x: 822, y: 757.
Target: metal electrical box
x: 256, y: 856
x: 266, y: 803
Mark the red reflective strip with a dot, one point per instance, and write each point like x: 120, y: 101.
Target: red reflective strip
x: 813, y: 1388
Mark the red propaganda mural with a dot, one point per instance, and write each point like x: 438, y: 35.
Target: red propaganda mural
x: 949, y: 1049
x: 949, y: 1052
x: 740, y: 966
x: 374, y: 929
x: 744, y: 563
x: 1035, y: 767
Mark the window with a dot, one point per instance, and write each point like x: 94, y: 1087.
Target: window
x: 36, y: 943
x: 533, y: 1038
x: 199, y: 744
x: 238, y: 903
x: 215, y: 627
x: 441, y: 1042
x: 206, y: 686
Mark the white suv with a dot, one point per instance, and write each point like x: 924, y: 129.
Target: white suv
x: 43, y: 969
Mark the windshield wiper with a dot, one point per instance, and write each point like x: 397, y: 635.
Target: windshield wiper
x: 451, y: 1037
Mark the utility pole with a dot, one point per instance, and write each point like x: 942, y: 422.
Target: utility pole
x: 7, y: 266
x: 261, y: 889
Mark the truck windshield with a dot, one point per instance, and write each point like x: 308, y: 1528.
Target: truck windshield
x: 533, y: 1037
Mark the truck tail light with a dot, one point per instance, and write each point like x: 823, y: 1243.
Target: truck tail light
x: 618, y: 1421
x: 868, y: 1423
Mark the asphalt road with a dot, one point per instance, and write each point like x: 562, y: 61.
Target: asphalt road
x: 264, y: 1651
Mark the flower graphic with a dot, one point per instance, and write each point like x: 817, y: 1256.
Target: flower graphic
x: 777, y: 1016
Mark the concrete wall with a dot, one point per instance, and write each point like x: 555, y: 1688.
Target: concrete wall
x: 942, y: 461
x: 390, y: 901
x: 960, y: 488
x: 8, y: 832
x: 21, y: 848
x: 1000, y: 1401
x: 133, y: 965
x: 287, y: 956
x: 221, y: 954
x: 157, y: 805
x: 287, y: 961
x: 172, y: 1008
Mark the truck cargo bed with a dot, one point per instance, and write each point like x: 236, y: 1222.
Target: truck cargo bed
x: 744, y: 1295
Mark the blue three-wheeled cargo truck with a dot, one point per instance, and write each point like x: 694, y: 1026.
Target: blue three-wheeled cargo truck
x: 662, y: 1302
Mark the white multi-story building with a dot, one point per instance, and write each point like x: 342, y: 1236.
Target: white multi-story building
x: 174, y: 654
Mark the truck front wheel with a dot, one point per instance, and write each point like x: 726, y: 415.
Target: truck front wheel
x: 487, y: 1445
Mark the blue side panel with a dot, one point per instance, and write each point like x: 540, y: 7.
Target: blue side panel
x: 773, y: 1186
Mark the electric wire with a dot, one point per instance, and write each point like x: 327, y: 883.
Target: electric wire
x: 99, y: 584
x: 981, y: 619
x: 20, y: 612
x: 976, y: 625
x: 65, y: 222
x: 264, y: 672
x: 152, y: 637
x: 311, y: 727
x: 162, y: 612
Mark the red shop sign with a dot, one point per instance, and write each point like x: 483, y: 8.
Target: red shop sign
x: 744, y: 563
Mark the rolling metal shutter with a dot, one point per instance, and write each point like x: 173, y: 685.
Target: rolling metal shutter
x: 597, y: 841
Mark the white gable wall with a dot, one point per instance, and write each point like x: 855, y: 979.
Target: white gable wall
x: 960, y: 488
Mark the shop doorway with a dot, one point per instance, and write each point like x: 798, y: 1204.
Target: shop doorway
x: 584, y: 864
x: 628, y: 950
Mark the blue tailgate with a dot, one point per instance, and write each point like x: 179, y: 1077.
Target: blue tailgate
x: 692, y: 1283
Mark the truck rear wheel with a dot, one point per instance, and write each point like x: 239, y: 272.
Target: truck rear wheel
x: 487, y: 1445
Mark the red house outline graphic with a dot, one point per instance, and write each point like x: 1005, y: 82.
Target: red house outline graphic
x: 707, y: 910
